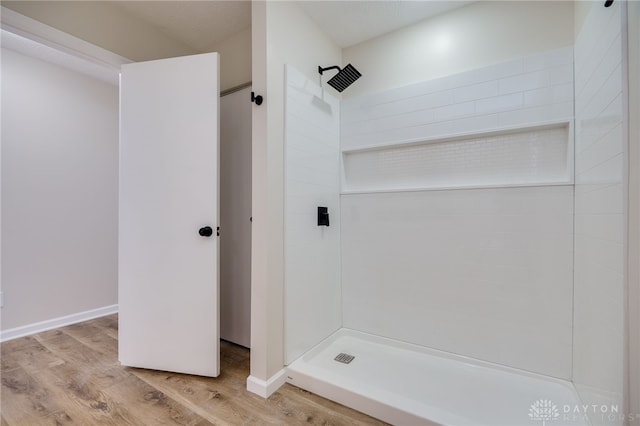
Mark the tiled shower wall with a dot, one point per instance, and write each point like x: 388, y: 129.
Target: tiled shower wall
x: 312, y: 179
x: 533, y: 89
x: 484, y: 272
x: 600, y: 162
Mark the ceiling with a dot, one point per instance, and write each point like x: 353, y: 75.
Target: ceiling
x: 352, y: 22
x: 192, y: 26
x: 202, y: 24
x: 198, y: 24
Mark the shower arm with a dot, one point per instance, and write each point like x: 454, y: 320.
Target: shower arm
x: 321, y: 70
x: 343, y: 79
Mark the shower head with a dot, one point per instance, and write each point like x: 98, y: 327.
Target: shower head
x: 345, y: 77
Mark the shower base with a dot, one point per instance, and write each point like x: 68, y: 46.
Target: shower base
x: 405, y: 384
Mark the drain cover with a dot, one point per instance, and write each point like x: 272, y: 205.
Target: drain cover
x: 344, y: 358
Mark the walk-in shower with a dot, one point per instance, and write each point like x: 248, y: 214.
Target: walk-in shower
x: 475, y: 245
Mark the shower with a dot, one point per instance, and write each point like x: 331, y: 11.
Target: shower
x: 345, y: 77
x: 474, y: 215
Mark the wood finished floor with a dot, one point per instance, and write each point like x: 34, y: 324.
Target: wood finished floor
x: 71, y: 375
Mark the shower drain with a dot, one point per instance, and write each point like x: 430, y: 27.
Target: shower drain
x: 344, y: 358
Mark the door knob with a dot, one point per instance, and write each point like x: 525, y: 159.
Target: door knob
x: 205, y: 231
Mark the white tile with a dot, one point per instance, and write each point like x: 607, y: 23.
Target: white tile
x: 354, y: 128
x: 410, y: 91
x: 476, y: 91
x: 499, y: 103
x: 312, y: 253
x: 399, y: 249
x: 561, y: 75
x: 549, y: 95
x: 608, y: 172
x: 599, y: 253
x: 397, y: 107
x: 522, y: 82
x: 607, y: 65
x: 441, y: 129
x: 410, y: 119
x: 590, y: 130
x: 563, y: 92
x: 450, y: 112
x: 589, y: 55
x: 523, y: 157
x: 609, y: 146
x: 604, y: 285
x: 554, y: 112
x: 498, y: 71
x: 415, y: 103
x: 606, y: 200
x: 609, y: 254
x: 400, y: 121
x: 539, y: 97
x: 425, y: 110
x: 607, y: 227
x: 606, y: 93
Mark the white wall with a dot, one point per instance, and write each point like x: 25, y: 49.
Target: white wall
x: 59, y: 191
x: 312, y: 293
x: 235, y: 60
x: 485, y: 273
x: 581, y: 10
x: 281, y: 34
x: 601, y: 161
x: 470, y: 37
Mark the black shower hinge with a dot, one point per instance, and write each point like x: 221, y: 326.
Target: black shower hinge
x: 218, y: 231
x: 256, y: 99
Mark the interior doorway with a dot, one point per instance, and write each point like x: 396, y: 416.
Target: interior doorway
x: 235, y: 216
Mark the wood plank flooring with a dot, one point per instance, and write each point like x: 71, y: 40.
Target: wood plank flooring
x: 71, y: 375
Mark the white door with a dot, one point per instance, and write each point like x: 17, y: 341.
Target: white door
x: 235, y: 214
x: 168, y: 259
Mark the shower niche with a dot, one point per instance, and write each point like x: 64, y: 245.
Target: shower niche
x: 539, y: 155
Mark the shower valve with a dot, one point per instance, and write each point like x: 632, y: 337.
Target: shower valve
x: 323, y: 216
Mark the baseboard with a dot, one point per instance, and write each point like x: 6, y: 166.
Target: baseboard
x: 265, y: 388
x: 25, y: 330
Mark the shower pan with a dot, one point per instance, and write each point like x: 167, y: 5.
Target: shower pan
x: 407, y: 384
